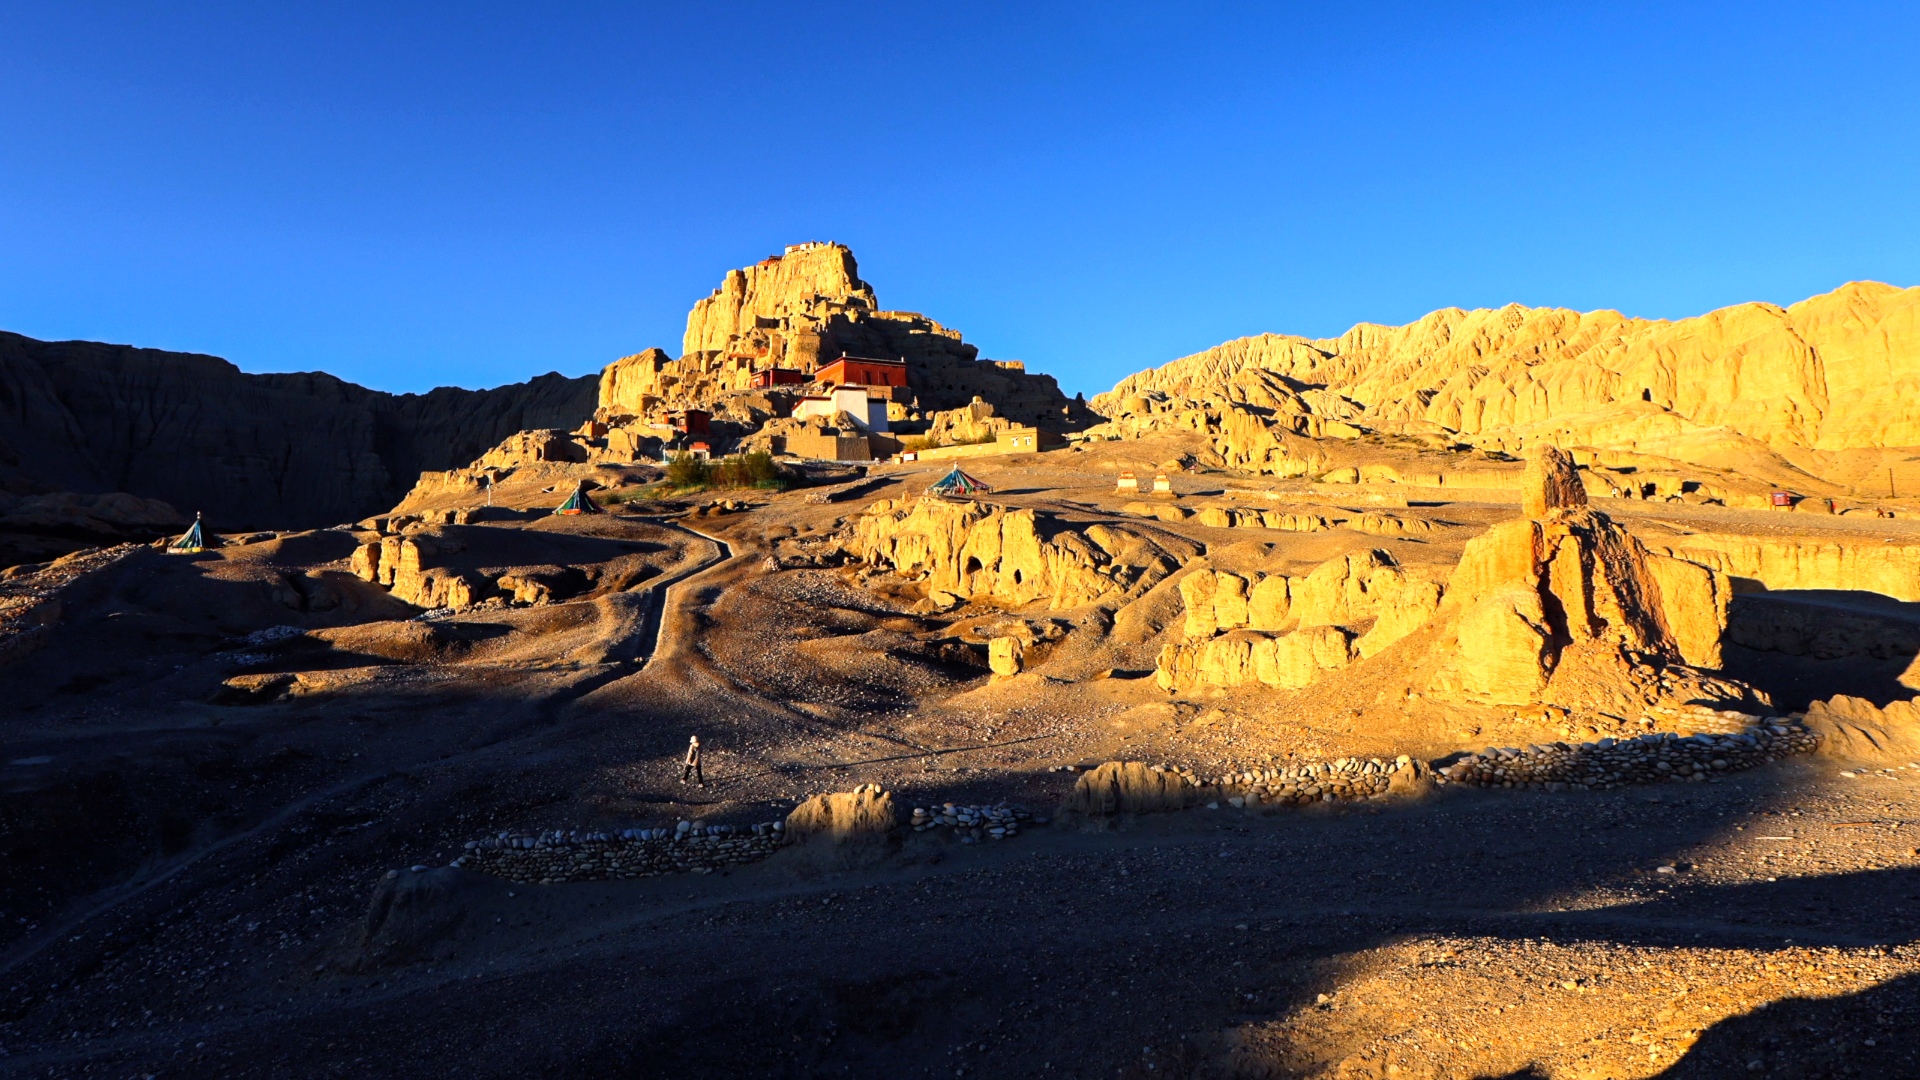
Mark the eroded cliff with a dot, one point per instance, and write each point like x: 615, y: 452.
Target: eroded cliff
x: 250, y: 451
x: 1830, y: 385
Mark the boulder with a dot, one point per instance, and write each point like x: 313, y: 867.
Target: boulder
x: 1503, y: 652
x: 1004, y: 656
x: 1853, y: 729
x: 1129, y: 787
x: 843, y: 817
x: 1693, y: 603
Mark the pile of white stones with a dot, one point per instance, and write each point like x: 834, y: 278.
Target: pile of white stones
x: 1611, y: 763
x: 550, y: 858
x: 973, y: 824
x: 1340, y: 780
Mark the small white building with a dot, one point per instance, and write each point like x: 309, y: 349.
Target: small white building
x: 870, y: 413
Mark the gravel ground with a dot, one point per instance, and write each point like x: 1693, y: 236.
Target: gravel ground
x: 1437, y: 939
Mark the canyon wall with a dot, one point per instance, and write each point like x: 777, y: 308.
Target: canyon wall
x: 250, y: 451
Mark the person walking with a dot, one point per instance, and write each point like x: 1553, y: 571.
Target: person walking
x: 692, y: 770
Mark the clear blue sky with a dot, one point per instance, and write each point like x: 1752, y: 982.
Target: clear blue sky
x: 412, y: 195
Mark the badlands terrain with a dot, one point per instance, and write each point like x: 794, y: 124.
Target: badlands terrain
x: 1466, y: 705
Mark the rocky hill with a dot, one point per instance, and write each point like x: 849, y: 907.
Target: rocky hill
x: 283, y: 450
x: 1829, y: 386
x: 805, y: 308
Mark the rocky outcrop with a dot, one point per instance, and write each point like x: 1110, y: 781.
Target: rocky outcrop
x: 406, y: 565
x: 840, y: 817
x: 1568, y: 595
x: 250, y: 451
x: 1129, y: 787
x: 802, y: 309
x: 1550, y: 482
x: 1854, y: 729
x: 1817, y: 386
x: 970, y: 550
x: 976, y: 422
x: 1564, y: 607
x: 1286, y: 632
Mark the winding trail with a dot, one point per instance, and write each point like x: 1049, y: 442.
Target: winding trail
x: 667, y: 596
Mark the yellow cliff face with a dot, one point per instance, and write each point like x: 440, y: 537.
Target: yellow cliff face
x: 796, y: 292
x: 1837, y: 372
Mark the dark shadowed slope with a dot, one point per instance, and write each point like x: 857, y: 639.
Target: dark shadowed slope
x: 286, y: 450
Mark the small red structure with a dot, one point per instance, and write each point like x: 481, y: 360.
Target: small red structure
x: 687, y: 421
x: 778, y: 376
x: 857, y: 371
x: 1783, y: 498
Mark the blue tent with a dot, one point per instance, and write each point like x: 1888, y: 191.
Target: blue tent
x: 957, y: 483
x: 191, y: 542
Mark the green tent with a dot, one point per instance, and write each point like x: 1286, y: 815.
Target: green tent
x: 191, y: 542
x: 957, y: 483
x: 578, y: 502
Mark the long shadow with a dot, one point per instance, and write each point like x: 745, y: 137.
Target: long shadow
x: 1802, y: 644
x: 918, y: 754
x: 1869, y: 1033
x: 1096, y: 953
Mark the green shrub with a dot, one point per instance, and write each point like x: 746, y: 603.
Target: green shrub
x: 760, y: 467
x: 756, y: 469
x: 685, y: 470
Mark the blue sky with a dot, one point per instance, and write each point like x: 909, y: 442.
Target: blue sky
x: 412, y: 195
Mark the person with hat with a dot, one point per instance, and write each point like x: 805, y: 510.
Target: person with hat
x: 692, y: 770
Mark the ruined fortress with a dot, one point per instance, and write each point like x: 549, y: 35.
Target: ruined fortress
x: 801, y: 310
